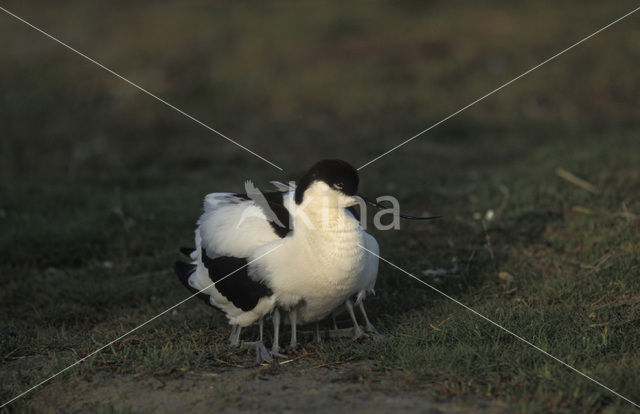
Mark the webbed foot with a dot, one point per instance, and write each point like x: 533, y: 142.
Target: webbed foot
x: 262, y: 353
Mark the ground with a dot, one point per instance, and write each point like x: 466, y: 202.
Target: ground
x: 100, y: 185
x: 313, y: 389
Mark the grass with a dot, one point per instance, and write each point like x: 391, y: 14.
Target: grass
x: 100, y: 184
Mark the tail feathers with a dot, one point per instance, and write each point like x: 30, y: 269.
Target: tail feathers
x: 184, y: 271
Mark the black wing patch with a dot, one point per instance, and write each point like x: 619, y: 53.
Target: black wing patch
x: 184, y: 270
x: 275, y: 201
x: 239, y: 288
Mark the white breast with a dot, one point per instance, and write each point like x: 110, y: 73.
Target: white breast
x: 316, y: 270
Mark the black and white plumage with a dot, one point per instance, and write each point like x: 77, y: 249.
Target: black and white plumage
x: 307, y: 242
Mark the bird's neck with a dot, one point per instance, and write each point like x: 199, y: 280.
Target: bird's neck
x: 324, y: 219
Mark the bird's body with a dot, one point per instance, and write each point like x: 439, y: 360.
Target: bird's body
x: 299, y: 250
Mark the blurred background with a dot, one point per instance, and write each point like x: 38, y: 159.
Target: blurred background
x: 100, y: 183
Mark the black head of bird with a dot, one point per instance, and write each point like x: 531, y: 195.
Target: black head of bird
x: 338, y: 176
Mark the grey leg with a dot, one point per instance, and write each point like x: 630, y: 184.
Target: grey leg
x: 293, y: 317
x: 275, y: 348
x: 357, y: 331
x: 234, y: 328
x: 262, y: 353
x: 235, y: 336
x: 369, y: 328
x: 261, y: 325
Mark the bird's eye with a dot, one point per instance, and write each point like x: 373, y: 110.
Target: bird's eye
x: 338, y: 186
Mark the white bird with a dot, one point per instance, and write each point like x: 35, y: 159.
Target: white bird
x: 307, y: 260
